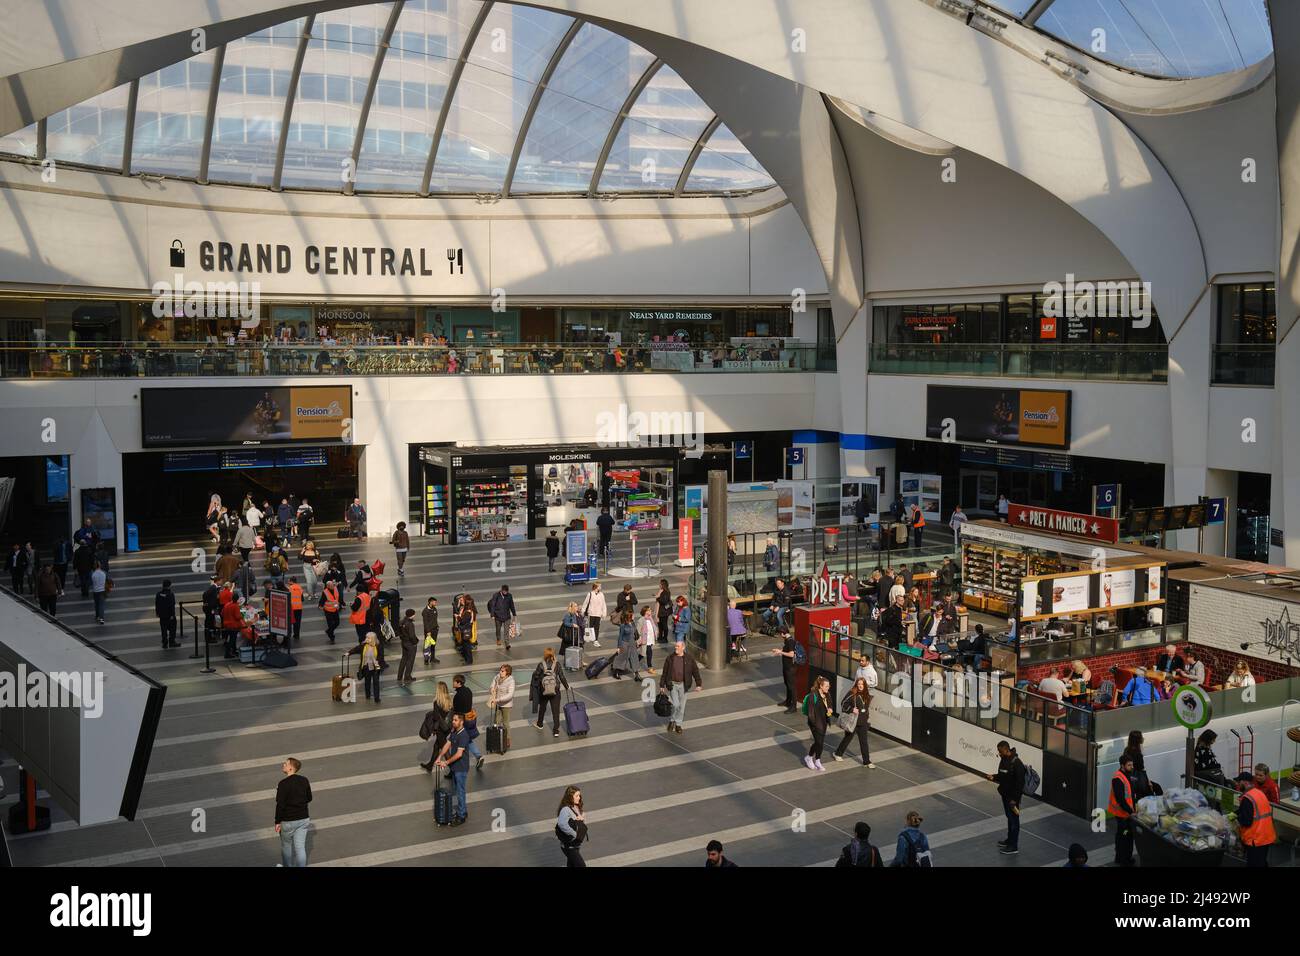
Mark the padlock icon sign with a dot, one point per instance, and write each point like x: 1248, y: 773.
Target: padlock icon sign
x: 177, y: 254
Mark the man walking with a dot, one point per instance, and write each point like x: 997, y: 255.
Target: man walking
x: 679, y: 674
x: 357, y: 518
x: 1255, y: 817
x: 786, y: 651
x: 1010, y: 779
x: 430, y: 620
x: 164, y: 606
x: 552, y: 551
x: 99, y: 591
x: 17, y: 566
x: 455, y: 756
x: 918, y: 525
x: 955, y: 522
x: 410, y: 641
x: 502, y: 608
x: 605, y: 525
x: 292, y: 795
x: 295, y: 610
x: 401, y: 542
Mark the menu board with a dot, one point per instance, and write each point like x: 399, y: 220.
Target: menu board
x: 1117, y: 588
x: 1088, y: 592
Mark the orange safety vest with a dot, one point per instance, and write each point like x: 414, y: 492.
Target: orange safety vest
x: 295, y: 597
x: 1260, y: 832
x: 360, y: 614
x: 919, y: 520
x: 331, y: 598
x: 1113, y: 805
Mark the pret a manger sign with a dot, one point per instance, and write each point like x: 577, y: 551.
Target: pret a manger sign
x: 1064, y: 522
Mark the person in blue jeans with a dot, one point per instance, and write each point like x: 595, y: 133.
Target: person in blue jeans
x: 1010, y: 778
x: 455, y: 757
x: 462, y: 702
x: 292, y: 795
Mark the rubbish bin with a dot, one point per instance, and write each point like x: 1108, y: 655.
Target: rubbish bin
x: 132, y: 537
x: 831, y: 540
x: 1154, y: 850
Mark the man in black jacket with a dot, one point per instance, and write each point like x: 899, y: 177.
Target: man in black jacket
x: 1011, y: 788
x: 885, y: 582
x: 552, y: 551
x: 605, y: 525
x: 891, y: 623
x: 502, y: 608
x: 292, y: 795
x: 164, y: 605
x: 211, y: 610
x: 860, y: 852
x: 430, y: 621
x: 713, y: 858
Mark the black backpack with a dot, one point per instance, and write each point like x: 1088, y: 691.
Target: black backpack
x: 852, y: 856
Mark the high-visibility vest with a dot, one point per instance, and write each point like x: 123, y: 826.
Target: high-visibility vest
x: 918, y: 520
x: 295, y: 596
x: 1260, y: 832
x: 1113, y: 805
x: 360, y: 614
x: 331, y: 598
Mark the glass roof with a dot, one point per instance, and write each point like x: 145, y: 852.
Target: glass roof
x: 1167, y: 38
x: 583, y: 110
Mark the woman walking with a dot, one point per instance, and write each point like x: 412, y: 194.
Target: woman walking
x: 627, y: 660
x: 646, y: 639
x: 594, y: 608
x: 466, y: 616
x: 571, y: 628
x: 501, y: 695
x: 310, y: 559
x: 663, y: 607
x: 854, y: 719
x: 571, y: 826
x: 682, y: 619
x: 370, y: 666
x: 544, y: 690
x: 913, y: 848
x: 626, y: 601
x: 817, y: 706
x: 401, y: 542
x: 436, y: 726
x: 334, y: 571
x: 245, y: 538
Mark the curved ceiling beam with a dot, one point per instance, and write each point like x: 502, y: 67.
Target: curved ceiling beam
x: 698, y: 148
x: 633, y: 95
x: 290, y: 95
x: 896, y: 133
x: 210, y: 114
x: 350, y: 185
x: 560, y: 49
x: 1036, y: 11
x: 453, y: 82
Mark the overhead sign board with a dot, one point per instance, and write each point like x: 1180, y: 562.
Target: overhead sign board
x: 1064, y: 522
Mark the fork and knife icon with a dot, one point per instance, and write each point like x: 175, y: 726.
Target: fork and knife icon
x: 455, y: 261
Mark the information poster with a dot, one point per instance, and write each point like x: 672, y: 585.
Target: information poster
x: 1153, y: 585
x: 1070, y: 595
x: 1117, y: 588
x: 852, y: 491
x: 924, y: 490
x: 277, y: 611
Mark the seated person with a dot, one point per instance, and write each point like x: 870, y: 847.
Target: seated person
x: 1241, y: 676
x: 1170, y: 661
x: 975, y: 648
x: 1194, y: 670
x: 1207, y: 764
x: 1052, y: 687
x: 1139, y: 690
x: 1079, y: 671
x: 1107, y: 689
x: 779, y: 605
x: 1166, y: 688
x: 798, y: 593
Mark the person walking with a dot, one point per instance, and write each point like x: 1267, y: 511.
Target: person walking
x: 33, y: 565
x: 544, y: 690
x: 627, y: 660
x: 410, y: 643
x: 955, y: 522
x: 295, y: 610
x: 571, y: 826
x: 99, y: 591
x: 359, y: 617
x: 714, y: 858
x: 306, y: 515
x: 1003, y: 508
x: 277, y: 566
x: 455, y: 757
x: 83, y: 563
x: 1255, y: 817
x: 164, y: 608
x: 593, y: 609
x: 1122, y: 804
x: 626, y: 601
x: 466, y: 618
x: 681, y: 620
x: 227, y: 564
x: 330, y: 602
x: 47, y: 589
x: 913, y: 848
x: 918, y: 525
x: 87, y: 535
x: 679, y: 676
x: 245, y: 539
x: 62, y: 557
x: 605, y: 527
x: 311, y: 567
x: 501, y: 697
x: 401, y: 542
x: 663, y: 608
x: 787, y: 654
x: 646, y: 636
x: 435, y: 727
x: 860, y: 851
x: 1010, y: 778
x: 552, y: 551
x: 817, y: 707
x: 356, y: 518
x: 292, y: 820
x: 254, y: 516
x: 856, y: 706
x: 285, y: 516
x: 429, y: 617
x: 370, y: 665
x: 462, y: 702
x: 501, y: 607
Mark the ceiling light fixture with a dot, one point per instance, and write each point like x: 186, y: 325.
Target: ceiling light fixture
x: 1062, y: 64
x: 963, y: 9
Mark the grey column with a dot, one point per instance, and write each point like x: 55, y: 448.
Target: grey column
x: 716, y: 652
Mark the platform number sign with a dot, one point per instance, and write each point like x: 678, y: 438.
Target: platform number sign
x: 794, y: 456
x: 1216, y: 510
x: 1107, y: 496
x: 742, y: 450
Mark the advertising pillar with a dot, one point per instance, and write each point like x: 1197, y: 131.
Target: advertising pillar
x: 716, y: 652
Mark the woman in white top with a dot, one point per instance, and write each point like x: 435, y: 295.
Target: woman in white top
x: 646, y: 636
x: 571, y: 826
x: 594, y: 607
x: 1241, y: 676
x: 501, y: 695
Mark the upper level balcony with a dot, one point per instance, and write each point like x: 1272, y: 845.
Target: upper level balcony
x: 1095, y: 361
x: 135, y: 359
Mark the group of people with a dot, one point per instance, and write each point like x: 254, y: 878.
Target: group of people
x: 88, y: 555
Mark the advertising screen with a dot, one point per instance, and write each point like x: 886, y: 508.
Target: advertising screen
x: 171, y: 417
x: 1004, y: 416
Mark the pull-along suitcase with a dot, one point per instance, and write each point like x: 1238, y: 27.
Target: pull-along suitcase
x: 595, y: 667
x: 496, y: 739
x: 575, y: 718
x: 336, y: 682
x: 441, y: 801
x: 572, y: 658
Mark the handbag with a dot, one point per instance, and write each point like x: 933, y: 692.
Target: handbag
x: 589, y: 635
x: 848, y: 722
x: 663, y: 705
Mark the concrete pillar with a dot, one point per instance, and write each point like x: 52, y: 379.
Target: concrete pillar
x: 1189, y: 399
x: 716, y: 651
x: 95, y: 463
x: 381, y: 485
